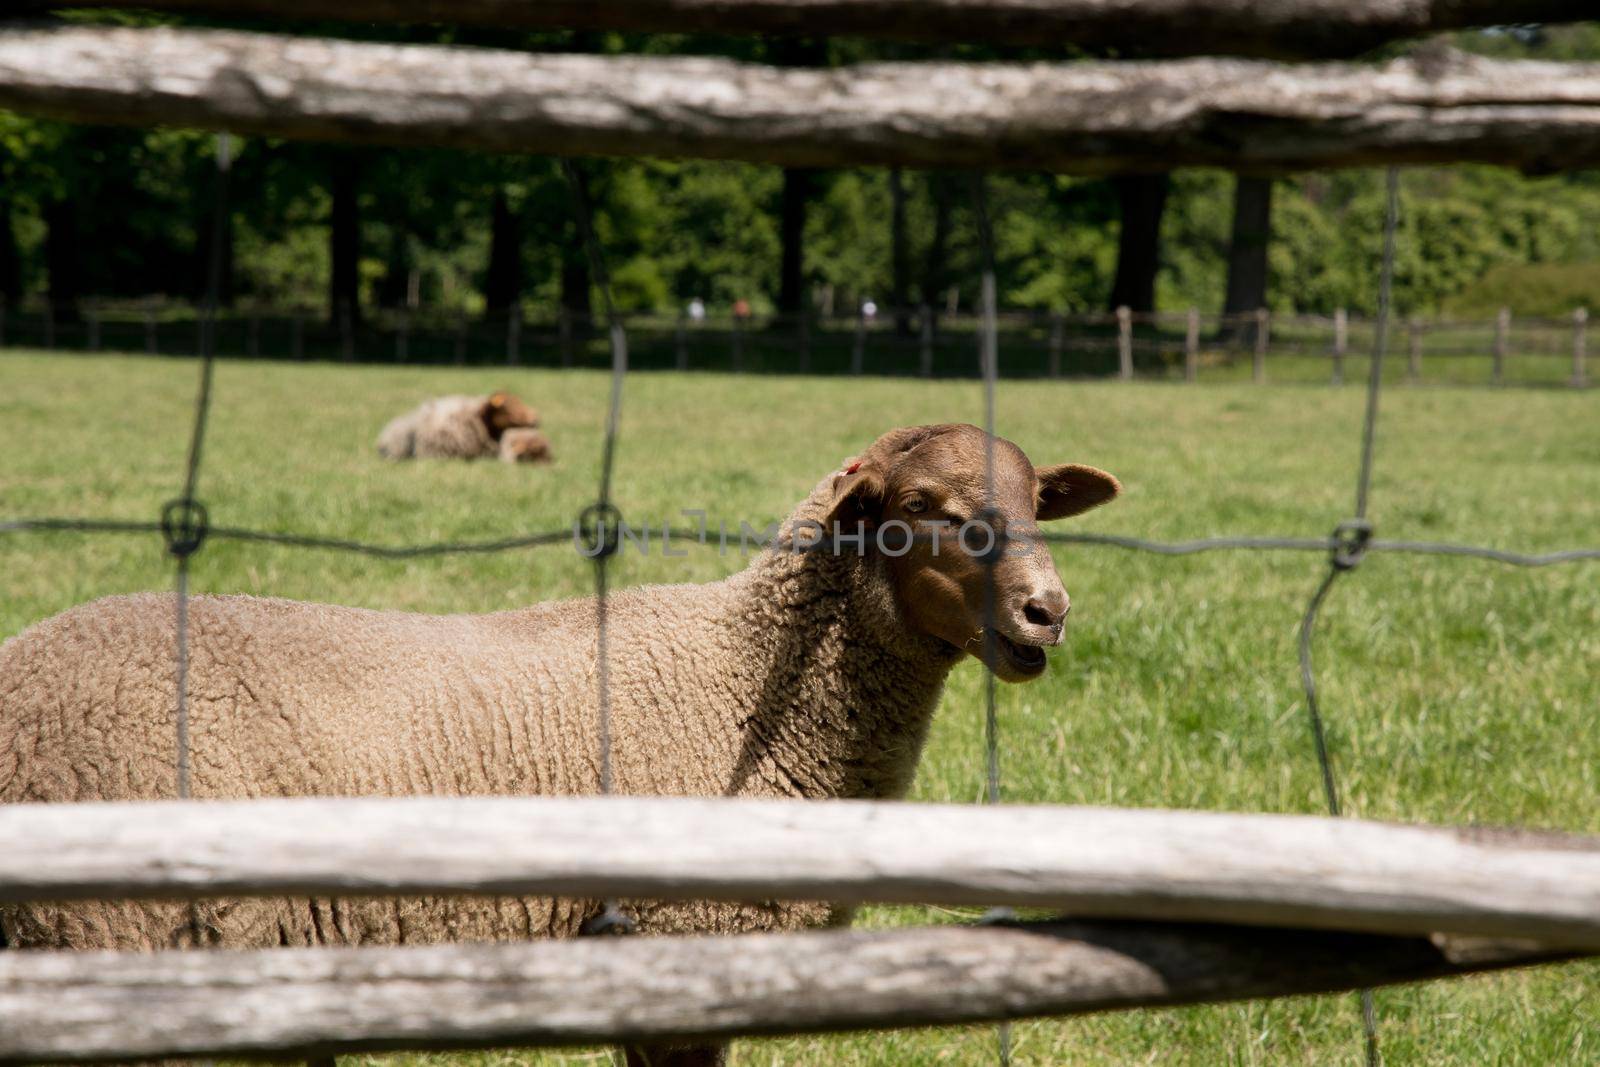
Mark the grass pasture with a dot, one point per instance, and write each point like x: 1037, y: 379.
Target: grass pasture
x: 1456, y: 691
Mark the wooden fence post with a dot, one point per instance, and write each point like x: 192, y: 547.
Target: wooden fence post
x: 514, y: 335
x: 1191, y: 347
x: 1263, y: 338
x: 1057, y: 337
x: 1502, y: 343
x: 253, y: 334
x: 49, y: 323
x: 680, y: 344
x: 858, y: 351
x: 297, y: 335
x: 1341, y: 342
x: 150, y: 332
x: 564, y: 331
x: 1580, y: 335
x: 94, y: 330
x: 1125, y: 343
x: 1414, y: 359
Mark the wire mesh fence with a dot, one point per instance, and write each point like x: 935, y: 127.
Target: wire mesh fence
x: 1122, y: 345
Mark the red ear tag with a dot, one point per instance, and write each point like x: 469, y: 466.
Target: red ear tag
x: 853, y: 467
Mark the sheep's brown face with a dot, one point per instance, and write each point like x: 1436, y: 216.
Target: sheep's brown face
x: 932, y: 480
x: 502, y: 412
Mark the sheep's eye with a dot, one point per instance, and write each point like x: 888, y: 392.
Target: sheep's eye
x: 915, y: 505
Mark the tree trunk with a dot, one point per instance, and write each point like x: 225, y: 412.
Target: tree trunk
x: 935, y: 270
x: 344, y: 240
x: 394, y: 289
x: 10, y: 258
x: 1247, y: 254
x: 1143, y: 199
x: 799, y: 184
x: 797, y: 187
x: 899, y: 254
x: 502, y: 286
x: 61, y: 248
x: 576, y: 285
x: 204, y: 218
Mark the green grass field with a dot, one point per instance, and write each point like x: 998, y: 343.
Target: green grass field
x: 1456, y: 691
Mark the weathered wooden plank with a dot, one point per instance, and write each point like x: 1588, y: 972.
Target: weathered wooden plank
x: 1285, y: 29
x: 1091, y: 118
x: 1201, y: 866
x: 100, y: 1006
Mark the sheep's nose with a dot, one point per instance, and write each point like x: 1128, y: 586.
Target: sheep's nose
x: 1049, y: 610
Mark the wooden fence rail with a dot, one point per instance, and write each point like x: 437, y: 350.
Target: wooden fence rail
x: 1285, y: 29
x: 1167, y: 865
x: 80, y: 1007
x: 1090, y: 118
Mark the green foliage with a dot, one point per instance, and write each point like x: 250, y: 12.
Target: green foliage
x: 1532, y: 290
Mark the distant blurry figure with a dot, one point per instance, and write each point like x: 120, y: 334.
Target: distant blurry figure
x: 697, y: 310
x: 455, y: 427
x: 869, y: 310
x: 741, y: 309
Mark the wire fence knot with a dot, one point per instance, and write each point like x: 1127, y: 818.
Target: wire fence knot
x: 184, y: 526
x: 1351, y: 539
x: 600, y: 531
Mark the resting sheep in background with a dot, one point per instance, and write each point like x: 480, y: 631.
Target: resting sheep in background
x: 810, y: 674
x: 457, y: 427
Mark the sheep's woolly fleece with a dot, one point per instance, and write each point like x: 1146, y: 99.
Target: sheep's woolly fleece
x: 793, y: 678
x: 807, y: 675
x: 463, y: 427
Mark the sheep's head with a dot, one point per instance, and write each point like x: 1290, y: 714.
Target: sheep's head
x: 502, y: 411
x: 931, y: 481
x: 524, y: 445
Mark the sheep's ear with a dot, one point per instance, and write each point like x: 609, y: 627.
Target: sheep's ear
x: 857, y: 495
x: 1071, y: 488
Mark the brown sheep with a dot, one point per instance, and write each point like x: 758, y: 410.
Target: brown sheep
x: 456, y: 427
x: 810, y: 674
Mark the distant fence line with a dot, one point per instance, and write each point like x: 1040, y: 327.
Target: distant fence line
x: 918, y: 341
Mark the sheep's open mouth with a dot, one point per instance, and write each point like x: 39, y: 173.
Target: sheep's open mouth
x: 1025, y: 658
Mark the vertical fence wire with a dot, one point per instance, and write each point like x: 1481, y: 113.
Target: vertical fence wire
x: 989, y: 361
x: 601, y: 522
x: 1350, y: 543
x: 183, y: 521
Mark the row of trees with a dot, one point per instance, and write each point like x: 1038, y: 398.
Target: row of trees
x: 121, y: 213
